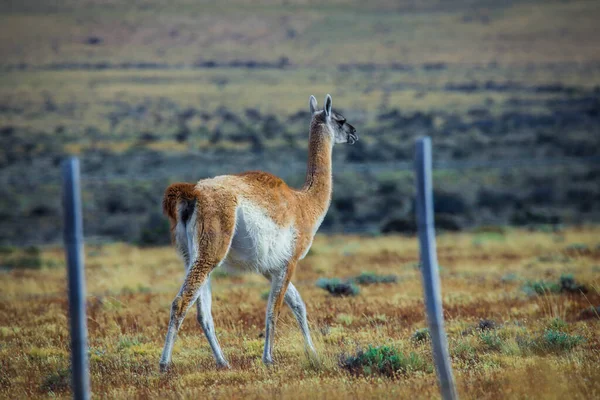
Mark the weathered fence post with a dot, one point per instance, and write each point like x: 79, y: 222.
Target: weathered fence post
x: 73, y: 237
x: 429, y: 268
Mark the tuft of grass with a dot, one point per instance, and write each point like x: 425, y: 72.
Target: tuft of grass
x: 577, y: 248
x: 510, y: 277
x: 126, y: 342
x: 139, y: 289
x: 558, y: 324
x: 464, y: 349
x: 491, y: 340
x: 338, y: 288
x: 384, y: 360
x: 420, y: 335
x: 58, y: 381
x: 345, y: 319
x: 369, y: 278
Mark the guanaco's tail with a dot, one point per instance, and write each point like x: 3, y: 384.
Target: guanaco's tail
x: 178, y: 203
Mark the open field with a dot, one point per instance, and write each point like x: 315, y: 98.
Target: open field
x: 543, y: 342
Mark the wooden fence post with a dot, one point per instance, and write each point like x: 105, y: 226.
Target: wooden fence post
x: 429, y: 268
x: 73, y: 237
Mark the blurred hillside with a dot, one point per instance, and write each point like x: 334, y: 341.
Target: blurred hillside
x: 149, y: 93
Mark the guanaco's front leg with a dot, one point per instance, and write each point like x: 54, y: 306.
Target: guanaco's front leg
x: 279, y: 285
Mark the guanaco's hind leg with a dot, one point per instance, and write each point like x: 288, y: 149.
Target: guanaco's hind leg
x: 215, y: 226
x: 208, y: 326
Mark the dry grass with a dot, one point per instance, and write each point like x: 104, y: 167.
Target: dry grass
x: 482, y: 277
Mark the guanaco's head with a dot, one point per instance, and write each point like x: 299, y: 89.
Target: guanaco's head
x: 336, y: 125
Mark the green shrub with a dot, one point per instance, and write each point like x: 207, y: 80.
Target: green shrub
x: 580, y: 248
x: 369, y: 278
x: 541, y: 287
x: 27, y: 258
x: 420, y: 335
x: 384, y: 360
x: 486, y: 325
x: 338, y: 288
x: 491, y: 340
x: 568, y: 285
x: 554, y: 341
x: 510, y: 277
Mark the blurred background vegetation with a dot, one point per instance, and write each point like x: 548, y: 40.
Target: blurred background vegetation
x: 150, y: 92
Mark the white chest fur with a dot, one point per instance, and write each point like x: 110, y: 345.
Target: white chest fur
x: 258, y: 243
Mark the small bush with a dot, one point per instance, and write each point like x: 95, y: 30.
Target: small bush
x: 577, y: 248
x: 568, y: 285
x: 338, y: 288
x: 420, y: 335
x: 27, y: 258
x: 541, y: 287
x: 552, y: 340
x: 384, y: 360
x: 369, y: 278
x: 491, y: 340
x: 58, y: 381
x: 486, y: 325
x: 510, y: 277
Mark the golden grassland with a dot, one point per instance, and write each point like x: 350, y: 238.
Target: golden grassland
x: 483, y: 274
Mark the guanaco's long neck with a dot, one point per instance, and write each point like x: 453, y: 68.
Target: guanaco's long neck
x: 318, y: 184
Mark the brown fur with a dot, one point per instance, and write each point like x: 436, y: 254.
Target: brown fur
x: 174, y: 194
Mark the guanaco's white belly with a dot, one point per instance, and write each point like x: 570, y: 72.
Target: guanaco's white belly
x: 258, y: 243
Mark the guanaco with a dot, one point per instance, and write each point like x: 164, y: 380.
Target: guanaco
x: 252, y: 221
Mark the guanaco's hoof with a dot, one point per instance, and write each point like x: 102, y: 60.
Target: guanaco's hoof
x: 164, y: 367
x: 268, y: 362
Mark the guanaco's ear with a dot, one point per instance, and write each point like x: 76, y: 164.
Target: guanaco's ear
x: 328, y: 106
x: 312, y: 102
